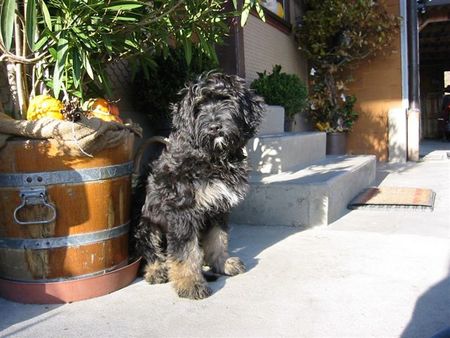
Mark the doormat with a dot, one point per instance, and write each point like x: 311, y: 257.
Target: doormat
x: 394, y: 197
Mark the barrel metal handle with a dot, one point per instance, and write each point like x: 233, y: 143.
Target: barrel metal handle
x: 34, y: 196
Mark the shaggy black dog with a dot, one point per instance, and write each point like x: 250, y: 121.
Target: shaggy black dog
x: 200, y: 176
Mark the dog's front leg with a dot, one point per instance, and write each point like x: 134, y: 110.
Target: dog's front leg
x: 185, y: 260
x: 215, y: 246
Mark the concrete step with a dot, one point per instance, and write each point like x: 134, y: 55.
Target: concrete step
x: 283, y: 152
x: 316, y: 195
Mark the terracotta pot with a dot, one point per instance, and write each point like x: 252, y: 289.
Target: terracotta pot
x: 336, y: 143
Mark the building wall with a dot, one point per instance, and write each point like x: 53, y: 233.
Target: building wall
x: 266, y: 46
x: 378, y: 88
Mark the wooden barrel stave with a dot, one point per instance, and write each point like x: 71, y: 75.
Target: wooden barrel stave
x: 83, y: 209
x: 63, y: 263
x: 89, y: 207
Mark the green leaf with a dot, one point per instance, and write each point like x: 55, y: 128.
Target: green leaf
x: 62, y: 48
x: 124, y: 6
x: 31, y: 23
x: 131, y: 44
x: 76, y: 71
x: 39, y: 44
x: 60, y: 65
x: 260, y: 11
x: 126, y: 18
x: 244, y: 16
x: 56, y: 80
x: 87, y: 66
x: 53, y: 53
x: 7, y: 22
x: 46, y: 14
x: 107, y: 43
x: 188, y: 50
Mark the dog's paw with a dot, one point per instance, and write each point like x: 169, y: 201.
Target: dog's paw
x: 197, y: 290
x: 234, y: 266
x: 156, y: 273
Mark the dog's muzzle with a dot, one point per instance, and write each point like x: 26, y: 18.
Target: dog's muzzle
x: 219, y: 142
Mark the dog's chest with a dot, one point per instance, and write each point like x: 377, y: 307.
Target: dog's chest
x: 217, y: 194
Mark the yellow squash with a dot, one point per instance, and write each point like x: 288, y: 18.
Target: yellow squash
x: 45, y: 106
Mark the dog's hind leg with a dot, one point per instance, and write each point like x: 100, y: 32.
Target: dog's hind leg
x: 215, y: 246
x: 185, y: 260
x: 151, y: 244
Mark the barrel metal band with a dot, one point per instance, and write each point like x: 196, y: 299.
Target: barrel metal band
x: 65, y: 176
x: 72, y: 278
x: 66, y: 241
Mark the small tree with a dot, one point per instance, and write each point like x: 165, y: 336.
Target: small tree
x: 335, y: 35
x: 63, y: 46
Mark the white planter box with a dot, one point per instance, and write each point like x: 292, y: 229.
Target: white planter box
x: 273, y: 121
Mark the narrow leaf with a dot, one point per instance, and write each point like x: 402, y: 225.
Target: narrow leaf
x: 87, y: 66
x: 7, y: 22
x: 31, y: 23
x: 61, y: 56
x: 260, y: 11
x: 76, y: 63
x: 188, y: 50
x: 125, y: 6
x: 39, y: 44
x: 53, y: 53
x: 56, y: 80
x: 46, y: 14
x: 244, y: 16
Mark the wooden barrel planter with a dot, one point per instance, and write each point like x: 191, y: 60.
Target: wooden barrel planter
x: 64, y: 222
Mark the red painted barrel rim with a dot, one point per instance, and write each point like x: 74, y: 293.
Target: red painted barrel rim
x: 70, y: 290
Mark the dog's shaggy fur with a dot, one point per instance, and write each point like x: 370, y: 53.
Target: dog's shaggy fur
x: 200, y: 176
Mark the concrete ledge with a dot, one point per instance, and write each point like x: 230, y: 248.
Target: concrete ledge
x: 316, y: 195
x: 273, y: 121
x: 276, y: 153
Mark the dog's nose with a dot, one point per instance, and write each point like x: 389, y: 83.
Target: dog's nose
x: 215, y: 127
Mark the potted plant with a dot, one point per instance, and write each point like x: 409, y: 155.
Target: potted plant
x: 63, y: 47
x: 282, y: 89
x: 334, y: 36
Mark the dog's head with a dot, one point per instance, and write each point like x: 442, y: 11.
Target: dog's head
x: 218, y: 113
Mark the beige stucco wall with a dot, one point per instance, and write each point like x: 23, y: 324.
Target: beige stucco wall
x: 266, y: 46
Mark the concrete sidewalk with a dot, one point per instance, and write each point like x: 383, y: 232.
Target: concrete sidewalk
x: 372, y: 273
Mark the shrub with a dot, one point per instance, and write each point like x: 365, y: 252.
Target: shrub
x: 279, y: 88
x: 154, y: 90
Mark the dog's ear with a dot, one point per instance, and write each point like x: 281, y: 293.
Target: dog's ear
x: 183, y: 112
x: 253, y: 108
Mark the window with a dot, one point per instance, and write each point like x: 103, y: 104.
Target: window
x: 278, y: 7
x: 277, y: 14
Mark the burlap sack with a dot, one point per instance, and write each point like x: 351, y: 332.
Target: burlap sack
x: 83, y: 138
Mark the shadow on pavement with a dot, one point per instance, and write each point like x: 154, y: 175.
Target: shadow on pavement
x: 12, y: 313
x: 248, y: 241
x: 431, y: 316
